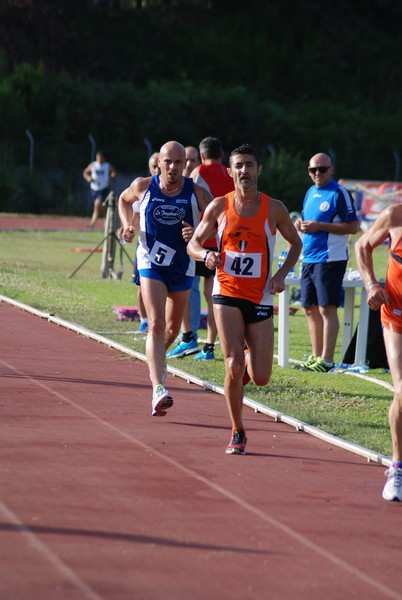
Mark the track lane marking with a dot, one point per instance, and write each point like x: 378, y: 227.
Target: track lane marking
x: 43, y: 549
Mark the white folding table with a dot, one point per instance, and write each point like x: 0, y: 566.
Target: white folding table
x: 350, y: 286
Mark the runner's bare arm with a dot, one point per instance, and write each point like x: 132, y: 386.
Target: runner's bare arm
x: 203, y: 197
x: 87, y: 173
x: 377, y: 234
x: 205, y: 230
x: 128, y: 218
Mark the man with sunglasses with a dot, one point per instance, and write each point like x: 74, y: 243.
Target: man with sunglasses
x: 327, y: 219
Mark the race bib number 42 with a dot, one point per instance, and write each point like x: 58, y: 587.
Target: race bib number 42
x: 241, y: 264
x: 161, y: 254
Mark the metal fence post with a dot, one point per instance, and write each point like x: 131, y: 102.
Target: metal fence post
x: 31, y: 150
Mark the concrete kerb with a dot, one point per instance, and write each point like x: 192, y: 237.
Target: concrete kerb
x: 278, y: 416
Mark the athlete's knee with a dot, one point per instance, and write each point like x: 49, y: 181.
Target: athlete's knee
x: 398, y: 398
x: 156, y: 325
x: 235, y: 366
x: 171, y: 334
x: 169, y: 338
x: 260, y: 374
x: 261, y: 380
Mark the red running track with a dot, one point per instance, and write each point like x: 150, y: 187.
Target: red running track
x: 101, y: 501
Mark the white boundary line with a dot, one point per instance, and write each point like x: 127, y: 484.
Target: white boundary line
x: 278, y: 416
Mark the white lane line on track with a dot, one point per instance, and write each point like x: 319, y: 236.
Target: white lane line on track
x: 320, y: 550
x: 58, y: 564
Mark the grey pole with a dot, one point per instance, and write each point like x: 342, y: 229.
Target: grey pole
x: 31, y: 150
x: 148, y: 145
x: 93, y: 146
x: 272, y: 152
x: 397, y: 157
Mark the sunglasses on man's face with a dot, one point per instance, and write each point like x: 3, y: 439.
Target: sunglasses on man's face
x: 314, y: 170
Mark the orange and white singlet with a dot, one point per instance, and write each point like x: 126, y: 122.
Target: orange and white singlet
x: 246, y: 247
x: 391, y: 314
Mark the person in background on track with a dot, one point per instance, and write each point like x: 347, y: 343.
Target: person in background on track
x: 327, y: 219
x: 191, y: 319
x: 213, y: 175
x: 99, y: 174
x: 153, y: 168
x: 192, y: 160
x: 245, y: 222
x: 169, y: 206
x: 388, y: 226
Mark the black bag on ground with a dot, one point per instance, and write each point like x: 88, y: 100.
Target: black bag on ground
x: 375, y: 352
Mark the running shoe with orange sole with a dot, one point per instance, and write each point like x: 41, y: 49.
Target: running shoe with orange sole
x: 237, y: 444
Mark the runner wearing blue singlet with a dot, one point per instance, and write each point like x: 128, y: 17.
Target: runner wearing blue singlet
x: 162, y: 252
x: 154, y: 169
x: 167, y: 208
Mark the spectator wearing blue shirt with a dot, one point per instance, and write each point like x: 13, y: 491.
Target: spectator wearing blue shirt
x: 328, y: 218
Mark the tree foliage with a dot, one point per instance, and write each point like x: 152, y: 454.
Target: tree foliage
x: 299, y: 77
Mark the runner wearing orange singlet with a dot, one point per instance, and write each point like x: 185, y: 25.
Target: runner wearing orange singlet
x: 388, y: 226
x: 245, y: 222
x: 391, y: 313
x: 247, y: 250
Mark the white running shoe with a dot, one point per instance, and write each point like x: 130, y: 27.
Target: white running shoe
x: 393, y: 488
x: 161, y: 401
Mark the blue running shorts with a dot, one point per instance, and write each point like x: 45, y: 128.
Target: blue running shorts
x: 175, y: 282
x: 321, y: 283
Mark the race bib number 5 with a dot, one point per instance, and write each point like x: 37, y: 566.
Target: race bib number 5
x: 241, y: 264
x: 161, y: 254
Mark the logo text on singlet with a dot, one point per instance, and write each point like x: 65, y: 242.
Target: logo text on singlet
x: 169, y: 215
